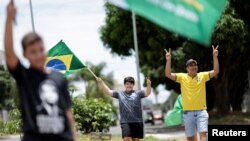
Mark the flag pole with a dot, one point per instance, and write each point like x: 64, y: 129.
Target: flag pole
x: 32, y: 16
x: 136, y: 50
x: 91, y: 72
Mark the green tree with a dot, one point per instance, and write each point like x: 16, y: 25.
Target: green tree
x: 231, y: 33
x: 241, y: 8
x: 8, y: 90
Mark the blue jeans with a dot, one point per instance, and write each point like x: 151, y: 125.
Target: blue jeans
x: 195, y: 121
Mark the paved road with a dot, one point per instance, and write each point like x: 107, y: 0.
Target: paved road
x: 159, y: 131
x: 150, y: 129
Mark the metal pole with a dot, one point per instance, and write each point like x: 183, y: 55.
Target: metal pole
x: 32, y: 17
x: 136, y: 50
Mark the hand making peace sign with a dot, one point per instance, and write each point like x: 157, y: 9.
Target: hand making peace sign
x: 215, y: 50
x: 148, y: 81
x: 168, y: 54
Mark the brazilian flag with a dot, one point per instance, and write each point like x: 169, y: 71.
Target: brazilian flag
x: 62, y: 59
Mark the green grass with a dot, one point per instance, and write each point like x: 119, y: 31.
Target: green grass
x: 116, y: 138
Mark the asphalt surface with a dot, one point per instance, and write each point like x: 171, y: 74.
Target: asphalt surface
x: 158, y: 128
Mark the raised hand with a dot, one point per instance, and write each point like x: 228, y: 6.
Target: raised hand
x: 11, y: 11
x: 215, y: 50
x: 148, y: 81
x: 168, y: 54
x: 148, y: 90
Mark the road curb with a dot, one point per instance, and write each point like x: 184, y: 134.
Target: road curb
x: 9, y: 136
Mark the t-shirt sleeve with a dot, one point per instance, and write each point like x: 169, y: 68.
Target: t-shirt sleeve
x: 66, y: 96
x: 141, y: 93
x: 115, y: 94
x: 18, y: 72
x: 206, y: 76
x: 178, y: 77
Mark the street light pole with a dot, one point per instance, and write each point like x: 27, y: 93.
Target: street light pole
x: 136, y: 50
x: 32, y: 17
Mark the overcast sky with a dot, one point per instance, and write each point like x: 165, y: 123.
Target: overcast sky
x: 77, y: 23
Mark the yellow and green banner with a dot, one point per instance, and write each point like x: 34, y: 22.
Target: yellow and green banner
x: 174, y: 116
x: 194, y: 19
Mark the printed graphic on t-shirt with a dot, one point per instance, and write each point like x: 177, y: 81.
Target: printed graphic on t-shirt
x: 198, y: 79
x: 130, y: 105
x: 131, y: 108
x: 48, y: 118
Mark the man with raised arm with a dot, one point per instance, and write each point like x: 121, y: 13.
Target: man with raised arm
x: 44, y: 98
x: 130, y: 107
x: 193, y: 90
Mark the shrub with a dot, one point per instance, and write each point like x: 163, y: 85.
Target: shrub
x: 9, y: 127
x: 13, y: 126
x: 15, y: 114
x: 2, y: 127
x: 92, y: 115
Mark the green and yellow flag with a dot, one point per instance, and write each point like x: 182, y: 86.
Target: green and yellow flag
x: 174, y: 116
x: 194, y: 19
x: 62, y: 59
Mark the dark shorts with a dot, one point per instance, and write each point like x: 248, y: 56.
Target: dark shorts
x: 134, y: 130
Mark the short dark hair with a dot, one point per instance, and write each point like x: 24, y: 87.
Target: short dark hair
x: 129, y: 79
x: 29, y: 39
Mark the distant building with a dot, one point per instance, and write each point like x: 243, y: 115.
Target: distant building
x: 2, y: 58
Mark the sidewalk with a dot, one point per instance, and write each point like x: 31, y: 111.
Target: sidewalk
x: 10, y: 136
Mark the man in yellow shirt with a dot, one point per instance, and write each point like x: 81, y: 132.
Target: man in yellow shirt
x: 193, y: 90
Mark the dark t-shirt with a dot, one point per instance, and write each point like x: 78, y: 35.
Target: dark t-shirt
x: 130, y: 105
x: 44, y: 101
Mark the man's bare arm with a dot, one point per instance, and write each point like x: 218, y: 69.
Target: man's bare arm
x: 216, y: 68
x: 11, y: 58
x: 104, y: 86
x: 168, y: 72
x: 148, y: 89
